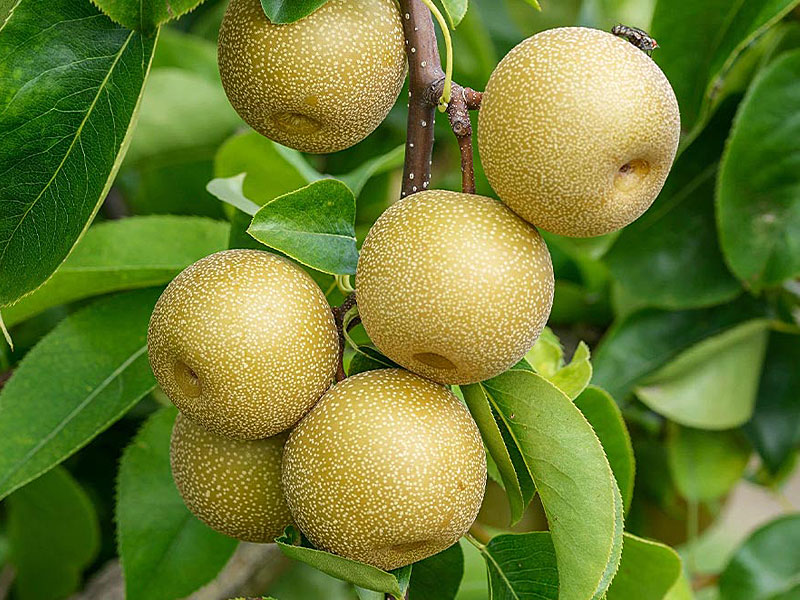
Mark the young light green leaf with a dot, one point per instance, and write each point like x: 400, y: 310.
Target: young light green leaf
x: 647, y: 571
x: 775, y: 427
x: 130, y: 253
x: 573, y: 378
x: 757, y: 196
x: 358, y: 573
x: 78, y: 380
x: 289, y: 11
x: 357, y: 178
x: 145, y: 15
x: 516, y: 481
x: 454, y: 10
x: 438, y: 577
x: 706, y: 464
x: 522, y: 566
x: 646, y: 340
x: 313, y: 225
x: 572, y: 475
x: 670, y: 257
x: 716, y: 32
x: 64, y: 137
x: 713, y: 384
x: 547, y: 355
x: 767, y: 565
x: 534, y: 3
x: 157, y: 536
x: 53, y: 534
x: 231, y: 191
x: 606, y: 419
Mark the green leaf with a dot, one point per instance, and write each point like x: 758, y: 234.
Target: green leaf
x: 646, y: 340
x: 670, y: 257
x: 79, y: 379
x: 515, y: 476
x: 648, y: 570
x: 534, y: 3
x: 145, y: 15
x: 129, y: 253
x: 165, y: 551
x: 758, y: 197
x: 699, y: 42
x: 313, y: 225
x: 547, y: 355
x: 357, y: 178
x: 713, y: 384
x: 454, y: 10
x: 186, y: 51
x: 706, y: 464
x: 438, y: 577
x: 289, y: 11
x: 775, y: 426
x: 54, y: 535
x: 230, y: 190
x: 606, y: 419
x: 67, y: 103
x: 573, y: 378
x: 574, y: 480
x: 358, y: 573
x: 767, y: 565
x: 367, y: 358
x: 522, y: 566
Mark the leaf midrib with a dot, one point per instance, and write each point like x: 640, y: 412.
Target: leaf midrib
x: 73, y: 413
x: 68, y: 153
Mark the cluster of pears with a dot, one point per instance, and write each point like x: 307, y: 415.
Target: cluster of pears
x: 385, y: 467
x: 577, y: 130
x: 577, y: 133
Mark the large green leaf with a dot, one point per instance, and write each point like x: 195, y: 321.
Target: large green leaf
x: 706, y: 464
x: 775, y: 426
x: 700, y: 41
x: 606, y: 419
x: 713, y: 384
x: 646, y: 340
x: 130, y: 253
x: 572, y: 475
x: 522, y: 567
x: 314, y: 225
x: 767, y: 565
x: 145, y: 15
x: 438, y: 577
x: 515, y: 476
x: 54, y: 535
x: 70, y: 82
x: 288, y: 11
x: 358, y: 573
x: 759, y: 181
x: 648, y: 570
x: 76, y: 382
x: 670, y: 257
x: 166, y: 552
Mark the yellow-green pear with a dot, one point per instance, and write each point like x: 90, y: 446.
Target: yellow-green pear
x: 577, y: 131
x: 320, y: 84
x: 453, y: 286
x: 388, y: 468
x: 233, y: 486
x: 244, y: 343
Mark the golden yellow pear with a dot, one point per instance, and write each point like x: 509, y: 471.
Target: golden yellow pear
x: 243, y: 342
x: 453, y: 286
x: 233, y: 486
x: 320, y: 84
x: 577, y: 131
x: 388, y: 468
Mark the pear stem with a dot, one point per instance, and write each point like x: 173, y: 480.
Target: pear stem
x: 338, y: 318
x: 426, y: 86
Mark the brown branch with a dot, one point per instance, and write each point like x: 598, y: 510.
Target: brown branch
x: 4, y: 377
x: 338, y: 317
x: 426, y: 82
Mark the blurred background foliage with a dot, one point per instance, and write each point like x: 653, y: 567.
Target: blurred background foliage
x: 691, y: 312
